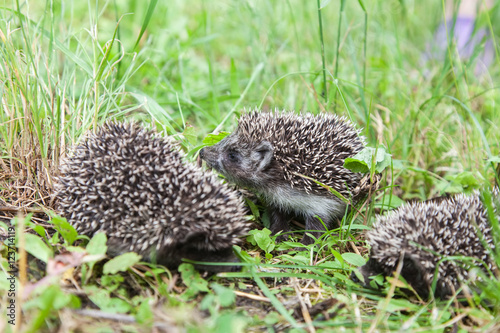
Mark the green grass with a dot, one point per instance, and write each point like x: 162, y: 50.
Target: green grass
x: 187, y: 69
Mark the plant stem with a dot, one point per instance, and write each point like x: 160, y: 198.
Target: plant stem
x: 324, y: 93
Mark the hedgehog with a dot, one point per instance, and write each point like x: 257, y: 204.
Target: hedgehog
x: 271, y: 152
x: 423, y: 235
x: 134, y: 186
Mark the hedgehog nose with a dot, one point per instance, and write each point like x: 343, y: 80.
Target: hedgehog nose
x: 202, y: 153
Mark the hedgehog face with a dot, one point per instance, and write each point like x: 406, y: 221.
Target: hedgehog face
x: 371, y: 268
x: 172, y: 257
x: 412, y: 271
x: 243, y: 163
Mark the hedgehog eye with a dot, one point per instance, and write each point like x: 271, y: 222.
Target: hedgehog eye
x: 232, y: 156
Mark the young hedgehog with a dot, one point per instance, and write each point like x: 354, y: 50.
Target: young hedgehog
x: 133, y: 185
x: 424, y: 233
x: 269, y: 152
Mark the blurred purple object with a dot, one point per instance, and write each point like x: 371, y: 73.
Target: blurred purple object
x: 466, y: 41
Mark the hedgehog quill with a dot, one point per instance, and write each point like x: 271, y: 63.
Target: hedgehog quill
x: 424, y: 234
x: 268, y: 153
x: 134, y: 185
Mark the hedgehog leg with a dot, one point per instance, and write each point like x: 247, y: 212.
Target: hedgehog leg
x: 313, y: 223
x: 413, y: 273
x: 279, y: 222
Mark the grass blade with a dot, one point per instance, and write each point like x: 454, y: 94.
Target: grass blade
x: 145, y: 23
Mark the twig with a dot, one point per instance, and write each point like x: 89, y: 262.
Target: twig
x: 21, y: 209
x: 354, y: 247
x: 252, y: 296
x: 303, y: 308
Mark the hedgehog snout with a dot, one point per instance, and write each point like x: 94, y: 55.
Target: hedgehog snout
x: 211, y: 157
x: 207, y: 154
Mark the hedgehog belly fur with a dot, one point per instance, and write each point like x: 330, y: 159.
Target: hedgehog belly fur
x: 304, y: 204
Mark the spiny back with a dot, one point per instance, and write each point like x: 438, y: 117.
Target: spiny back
x: 428, y: 231
x: 315, y: 146
x: 133, y: 185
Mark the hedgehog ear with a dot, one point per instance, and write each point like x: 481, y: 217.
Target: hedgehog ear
x: 264, y: 154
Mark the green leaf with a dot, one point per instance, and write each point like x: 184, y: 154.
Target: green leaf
x: 99, y: 297
x: 376, y: 281
x: 208, y: 302
x: 144, y: 313
x: 190, y: 134
x: 299, y: 258
x: 212, y: 139
x: 362, y: 5
x: 355, y: 226
x: 262, y: 239
x: 38, y: 229
x: 356, y: 165
x: 253, y: 208
x: 388, y: 202
x: 337, y: 256
x: 121, y: 263
x: 225, y: 295
x: 244, y: 256
x: 494, y: 159
x: 105, y: 302
x: 97, y: 245
x: 53, y: 298
x: 398, y: 164
x: 66, y: 230
x: 231, y: 322
x: 194, y: 151
x: 444, y: 186
x: 55, y: 238
x: 466, y: 179
x: 396, y: 305
x: 383, y: 160
x: 330, y: 265
x: 111, y: 282
x: 147, y: 18
x: 463, y: 182
x: 354, y: 259
x: 60, y: 300
x: 192, y: 280
x: 37, y: 248
x: 272, y: 318
x: 368, y: 158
